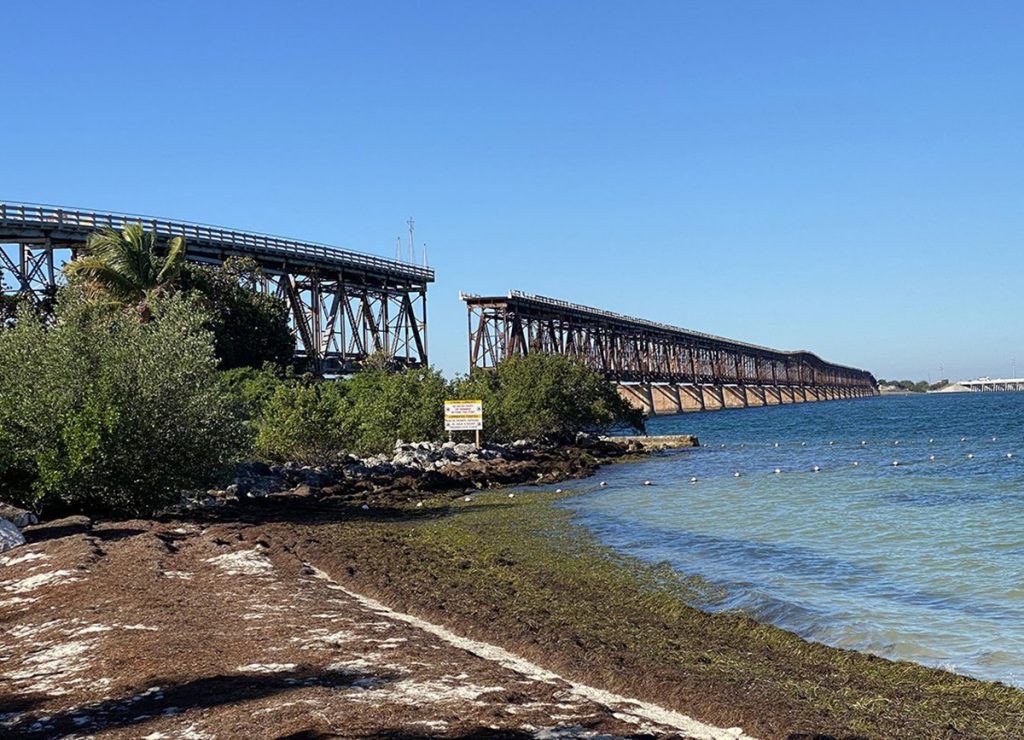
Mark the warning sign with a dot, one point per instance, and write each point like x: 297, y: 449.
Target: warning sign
x: 463, y: 415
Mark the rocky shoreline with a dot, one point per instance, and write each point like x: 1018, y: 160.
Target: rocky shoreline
x: 414, y: 471
x: 419, y: 469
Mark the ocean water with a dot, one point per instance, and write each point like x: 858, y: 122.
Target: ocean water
x: 922, y: 561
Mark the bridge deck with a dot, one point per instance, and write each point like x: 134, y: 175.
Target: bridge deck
x: 27, y: 223
x: 541, y: 308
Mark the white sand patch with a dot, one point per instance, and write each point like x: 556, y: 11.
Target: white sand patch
x: 434, y: 725
x: 92, y: 628
x: 242, y: 563
x: 15, y: 600
x: 48, y: 668
x: 266, y: 667
x: 191, y: 733
x: 411, y: 691
x: 27, y: 557
x: 42, y: 579
x: 22, y: 631
x: 314, y: 641
x: 183, y: 575
x: 629, y: 710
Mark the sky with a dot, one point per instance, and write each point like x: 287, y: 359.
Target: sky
x: 846, y: 178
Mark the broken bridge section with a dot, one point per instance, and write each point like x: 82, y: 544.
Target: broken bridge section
x: 662, y: 369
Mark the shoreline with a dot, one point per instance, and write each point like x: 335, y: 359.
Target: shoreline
x: 513, y: 571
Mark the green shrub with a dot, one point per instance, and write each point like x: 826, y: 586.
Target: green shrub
x: 304, y: 423
x: 249, y: 328
x: 540, y: 395
x: 388, y: 406
x: 254, y: 388
x: 103, y: 413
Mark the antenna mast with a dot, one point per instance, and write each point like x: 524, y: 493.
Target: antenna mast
x: 412, y: 244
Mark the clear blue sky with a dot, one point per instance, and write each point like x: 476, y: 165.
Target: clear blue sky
x: 842, y: 177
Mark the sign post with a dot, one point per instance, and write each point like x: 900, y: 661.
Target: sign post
x: 464, y: 416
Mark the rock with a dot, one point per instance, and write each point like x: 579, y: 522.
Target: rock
x: 317, y: 477
x: 464, y: 449
x: 10, y: 536
x: 252, y: 470
x: 18, y: 517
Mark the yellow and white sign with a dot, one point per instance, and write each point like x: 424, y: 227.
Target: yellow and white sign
x: 463, y: 415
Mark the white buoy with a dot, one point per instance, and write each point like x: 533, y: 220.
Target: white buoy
x: 831, y: 443
x: 863, y: 442
x: 706, y: 444
x: 963, y: 439
x: 777, y: 471
x: 648, y: 483
x: 895, y: 463
x: 970, y: 456
x: 931, y: 457
x: 930, y: 440
x: 558, y: 490
x: 1009, y: 455
x: 511, y: 495
x: 736, y: 474
x: 603, y: 484
x: 896, y: 442
x: 364, y: 507
x: 993, y: 439
x: 803, y: 444
x: 855, y: 463
x: 723, y: 445
x: 815, y: 468
x: 467, y: 498
x: 776, y: 444
x: 744, y: 445
x: 693, y: 480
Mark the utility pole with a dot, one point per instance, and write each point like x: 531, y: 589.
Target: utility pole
x: 412, y: 244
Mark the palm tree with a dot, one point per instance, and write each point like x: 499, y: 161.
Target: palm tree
x: 125, y: 266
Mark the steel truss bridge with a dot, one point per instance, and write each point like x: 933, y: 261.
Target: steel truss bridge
x: 661, y: 368
x: 344, y: 305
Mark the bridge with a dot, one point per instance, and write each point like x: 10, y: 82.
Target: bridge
x: 660, y: 368
x: 344, y: 305
x: 992, y: 384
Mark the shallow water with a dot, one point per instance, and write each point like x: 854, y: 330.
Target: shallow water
x: 922, y: 561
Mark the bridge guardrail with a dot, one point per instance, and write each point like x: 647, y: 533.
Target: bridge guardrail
x: 46, y: 215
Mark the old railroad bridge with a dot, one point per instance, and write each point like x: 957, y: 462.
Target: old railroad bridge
x: 660, y: 368
x: 346, y: 306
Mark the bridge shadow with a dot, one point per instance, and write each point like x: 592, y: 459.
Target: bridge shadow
x: 163, y: 700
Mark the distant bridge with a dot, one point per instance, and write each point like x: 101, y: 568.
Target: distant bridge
x: 344, y: 305
x: 661, y: 368
x: 993, y: 384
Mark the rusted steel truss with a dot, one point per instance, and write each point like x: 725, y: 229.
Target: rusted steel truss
x: 631, y: 350
x: 344, y: 306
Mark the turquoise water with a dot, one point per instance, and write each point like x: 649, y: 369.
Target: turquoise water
x: 922, y: 561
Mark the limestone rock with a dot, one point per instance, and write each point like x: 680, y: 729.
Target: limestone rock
x: 18, y: 517
x: 10, y: 536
